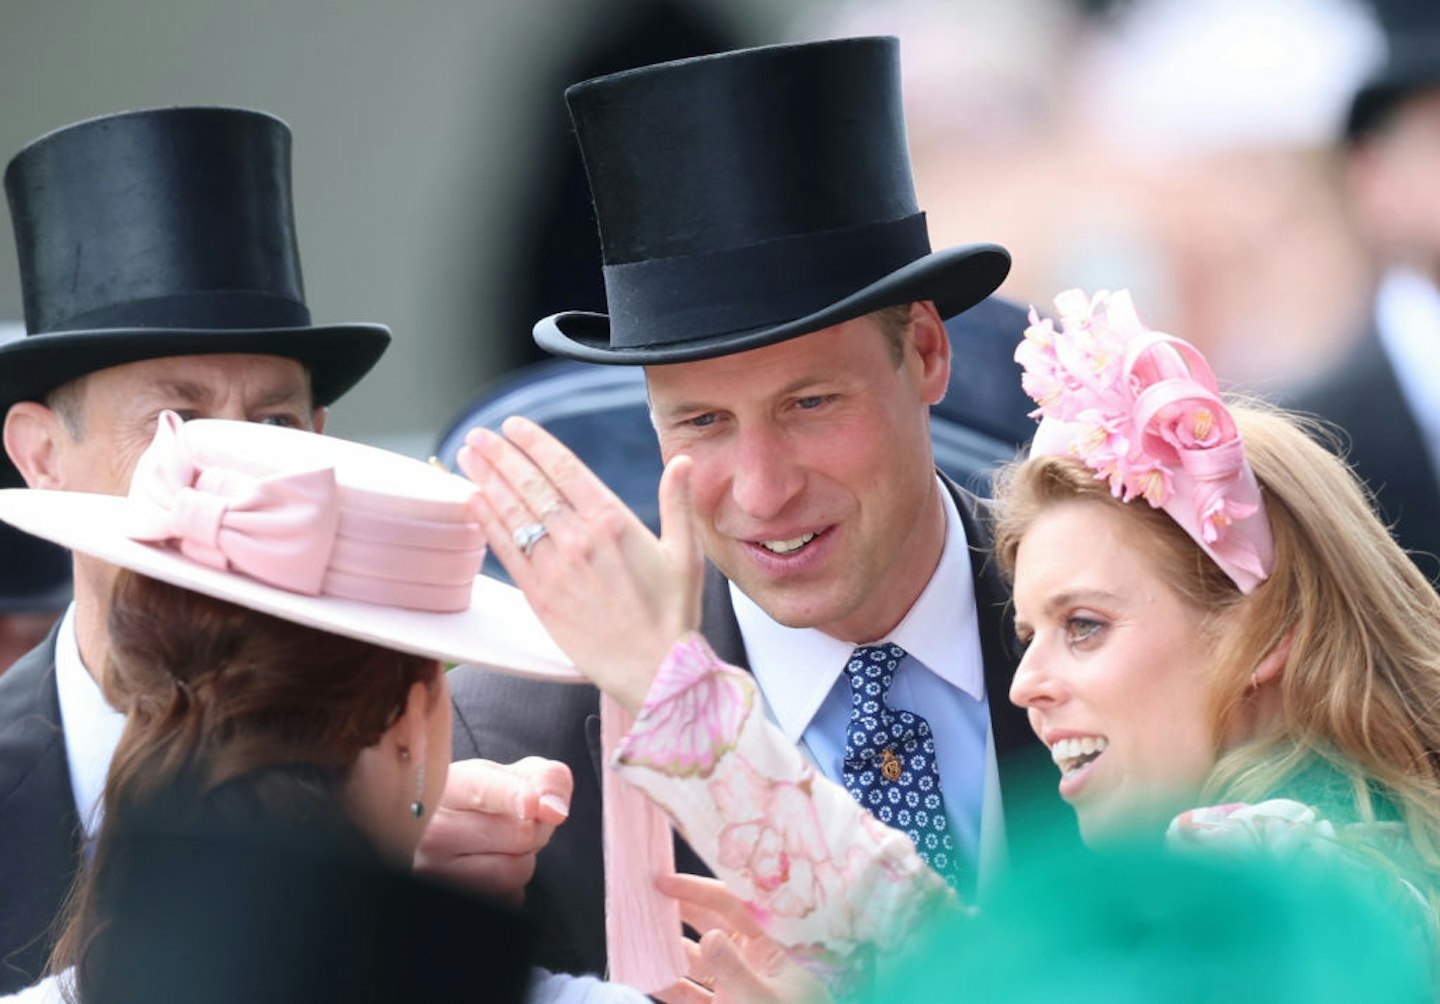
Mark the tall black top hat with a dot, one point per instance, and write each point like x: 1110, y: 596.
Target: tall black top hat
x: 752, y: 196
x: 162, y: 233
x: 1412, y: 62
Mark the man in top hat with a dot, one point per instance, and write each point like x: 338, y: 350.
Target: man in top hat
x: 766, y: 263
x: 160, y: 270
x: 1386, y: 394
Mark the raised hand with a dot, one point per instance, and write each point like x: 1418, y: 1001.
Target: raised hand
x: 613, y: 596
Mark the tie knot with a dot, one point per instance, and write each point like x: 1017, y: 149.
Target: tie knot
x: 873, y: 666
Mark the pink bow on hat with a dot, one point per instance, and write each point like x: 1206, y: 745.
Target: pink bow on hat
x: 1143, y: 410
x: 278, y: 529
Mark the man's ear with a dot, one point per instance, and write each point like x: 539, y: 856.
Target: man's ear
x: 1269, y: 669
x: 317, y: 420
x: 932, y: 345
x: 32, y: 438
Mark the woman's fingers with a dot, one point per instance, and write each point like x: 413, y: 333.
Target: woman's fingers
x: 711, y: 903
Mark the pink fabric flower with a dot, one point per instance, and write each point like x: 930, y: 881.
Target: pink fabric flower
x: 1142, y: 410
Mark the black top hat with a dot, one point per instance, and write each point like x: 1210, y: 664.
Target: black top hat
x: 752, y: 196
x: 162, y: 233
x: 1412, y: 62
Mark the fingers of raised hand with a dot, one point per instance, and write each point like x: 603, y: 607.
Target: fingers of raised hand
x: 575, y: 482
x: 520, y: 491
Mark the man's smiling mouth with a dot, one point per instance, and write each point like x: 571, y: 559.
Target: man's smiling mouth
x: 789, y: 546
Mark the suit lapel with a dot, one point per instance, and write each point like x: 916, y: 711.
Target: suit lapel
x: 992, y: 608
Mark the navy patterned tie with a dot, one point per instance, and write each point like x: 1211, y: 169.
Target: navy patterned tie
x: 890, y: 764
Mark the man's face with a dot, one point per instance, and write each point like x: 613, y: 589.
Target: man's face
x: 119, y: 406
x: 813, y: 481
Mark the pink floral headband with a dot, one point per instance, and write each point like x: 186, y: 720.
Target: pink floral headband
x: 1143, y: 410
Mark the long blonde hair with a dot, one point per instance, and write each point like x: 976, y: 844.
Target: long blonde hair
x: 1360, y: 688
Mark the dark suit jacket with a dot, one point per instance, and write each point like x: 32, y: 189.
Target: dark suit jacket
x: 39, y: 827
x: 504, y: 718
x: 1385, y: 446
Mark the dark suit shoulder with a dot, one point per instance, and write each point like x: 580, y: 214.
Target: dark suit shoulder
x: 30, y: 730
x: 1382, y: 441
x: 39, y: 827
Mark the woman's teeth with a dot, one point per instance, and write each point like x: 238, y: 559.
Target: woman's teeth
x: 1072, y: 754
x: 787, y: 546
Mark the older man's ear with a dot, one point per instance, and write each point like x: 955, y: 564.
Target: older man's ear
x: 31, y: 440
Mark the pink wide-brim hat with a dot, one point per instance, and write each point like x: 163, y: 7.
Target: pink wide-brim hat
x: 332, y: 534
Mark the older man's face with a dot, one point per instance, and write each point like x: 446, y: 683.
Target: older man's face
x: 813, y: 481
x: 118, y: 408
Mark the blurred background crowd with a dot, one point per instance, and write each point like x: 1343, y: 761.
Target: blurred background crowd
x: 1191, y: 150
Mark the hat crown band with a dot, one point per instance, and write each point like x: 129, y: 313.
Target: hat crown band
x: 221, y: 309
x: 655, y: 303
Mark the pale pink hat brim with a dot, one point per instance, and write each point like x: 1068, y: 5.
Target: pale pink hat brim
x: 499, y: 630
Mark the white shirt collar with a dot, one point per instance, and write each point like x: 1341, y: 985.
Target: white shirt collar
x: 92, y: 727
x: 797, y: 667
x: 1407, y: 316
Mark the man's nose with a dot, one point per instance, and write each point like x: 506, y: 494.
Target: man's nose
x: 767, y: 475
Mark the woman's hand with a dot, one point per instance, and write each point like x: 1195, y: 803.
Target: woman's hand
x: 733, y: 962
x: 613, y: 596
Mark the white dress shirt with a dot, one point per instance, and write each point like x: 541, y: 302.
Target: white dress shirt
x: 1407, y: 316
x: 801, y: 673
x: 92, y: 727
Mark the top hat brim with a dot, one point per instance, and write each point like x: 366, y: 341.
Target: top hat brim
x: 498, y: 629
x: 336, y: 356
x: 955, y: 279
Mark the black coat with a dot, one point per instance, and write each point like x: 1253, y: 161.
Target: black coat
x: 504, y: 718
x: 40, y: 838
x: 1385, y: 446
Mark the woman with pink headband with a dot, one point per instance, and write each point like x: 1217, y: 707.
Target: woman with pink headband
x: 1224, y: 646
x: 1213, y: 616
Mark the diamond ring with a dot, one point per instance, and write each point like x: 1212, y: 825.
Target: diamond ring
x: 528, y: 536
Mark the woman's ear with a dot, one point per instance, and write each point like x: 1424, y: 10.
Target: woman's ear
x: 1268, y: 670
x: 409, y: 732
